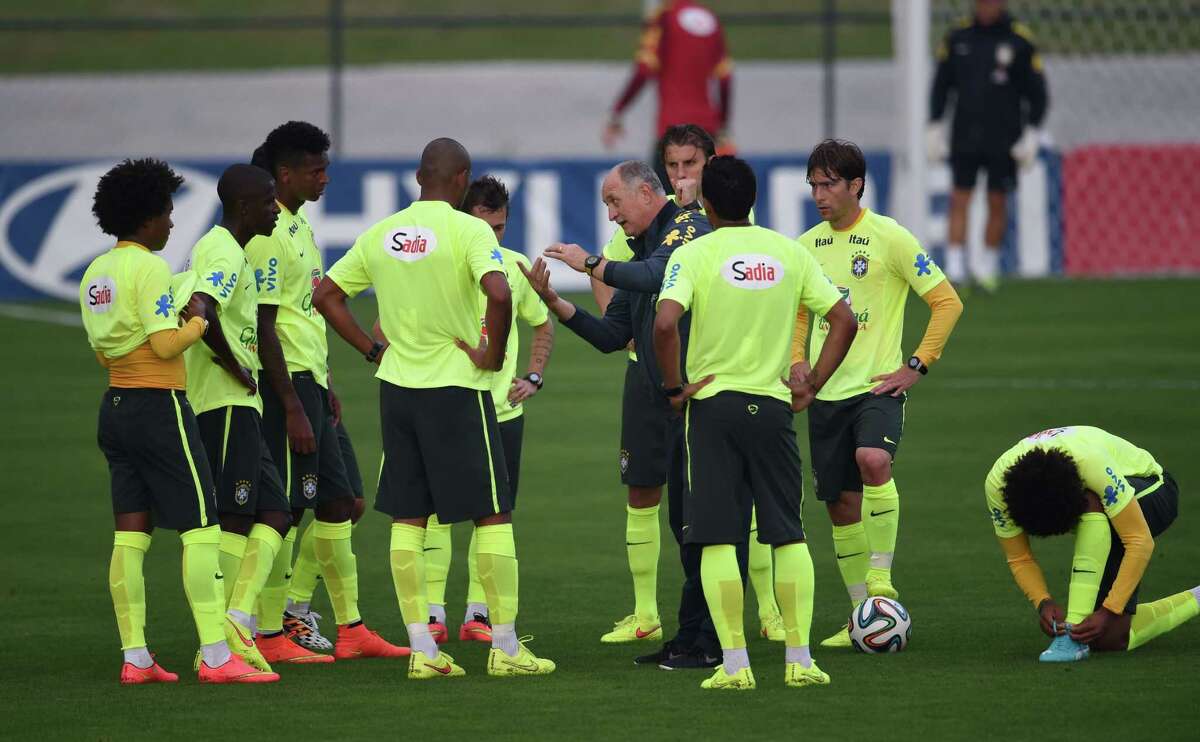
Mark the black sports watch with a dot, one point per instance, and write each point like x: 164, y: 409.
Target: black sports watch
x: 373, y: 354
x: 915, y: 364
x: 533, y: 377
x: 590, y: 263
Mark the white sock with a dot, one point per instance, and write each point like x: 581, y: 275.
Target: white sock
x: 139, y: 657
x: 473, y: 609
x: 1196, y: 593
x: 247, y: 622
x: 881, y: 560
x: 421, y: 640
x: 438, y: 611
x: 989, y: 262
x: 297, y: 609
x: 215, y: 654
x: 504, y: 638
x: 735, y: 659
x: 798, y: 654
x: 858, y: 592
x: 956, y: 265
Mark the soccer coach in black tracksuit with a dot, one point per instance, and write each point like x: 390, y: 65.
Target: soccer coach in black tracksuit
x: 991, y: 66
x: 634, y: 195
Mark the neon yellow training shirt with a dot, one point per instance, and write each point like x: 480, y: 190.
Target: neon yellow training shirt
x: 287, y: 267
x: 222, y: 271
x: 743, y: 286
x: 125, y: 297
x: 1104, y: 461
x: 425, y: 263
x: 529, y: 308
x: 873, y: 263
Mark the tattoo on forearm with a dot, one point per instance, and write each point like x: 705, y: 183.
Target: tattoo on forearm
x: 539, y: 350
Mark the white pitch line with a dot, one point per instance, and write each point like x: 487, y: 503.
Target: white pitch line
x: 1017, y: 383
x: 38, y: 314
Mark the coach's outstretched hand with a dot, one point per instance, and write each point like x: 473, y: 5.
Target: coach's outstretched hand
x: 539, y: 278
x: 689, y: 390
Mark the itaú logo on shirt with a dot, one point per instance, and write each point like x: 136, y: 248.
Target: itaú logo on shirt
x: 409, y: 243
x: 752, y: 271
x: 101, y: 294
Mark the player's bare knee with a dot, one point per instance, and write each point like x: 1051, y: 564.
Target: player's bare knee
x: 279, y: 520
x: 846, y: 511
x: 644, y: 497
x: 236, y: 523
x: 335, y: 511
x: 360, y: 507
x: 498, y: 519
x: 874, y: 464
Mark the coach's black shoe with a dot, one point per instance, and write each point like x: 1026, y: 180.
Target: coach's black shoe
x: 694, y: 660
x: 667, y: 652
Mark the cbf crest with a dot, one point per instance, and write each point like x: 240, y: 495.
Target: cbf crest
x: 241, y: 492
x: 859, y: 264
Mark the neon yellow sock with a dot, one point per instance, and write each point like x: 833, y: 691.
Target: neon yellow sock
x: 262, y: 545
x: 497, y: 558
x: 794, y: 586
x: 723, y: 592
x: 233, y: 549
x: 853, y: 559
x: 881, y: 517
x: 335, y: 554
x: 1092, y: 543
x: 201, y: 563
x: 272, y: 599
x: 128, y: 586
x: 475, y: 593
x: 408, y: 572
x: 762, y: 572
x: 307, y: 570
x: 438, y: 553
x: 642, y: 545
x: 1152, y: 620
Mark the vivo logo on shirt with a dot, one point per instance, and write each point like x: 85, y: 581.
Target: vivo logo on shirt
x: 101, y: 295
x: 410, y: 243
x: 752, y: 271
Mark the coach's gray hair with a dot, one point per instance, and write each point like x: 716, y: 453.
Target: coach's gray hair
x: 635, y: 172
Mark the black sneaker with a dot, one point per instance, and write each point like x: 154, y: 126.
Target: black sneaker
x: 695, y: 660
x: 666, y: 653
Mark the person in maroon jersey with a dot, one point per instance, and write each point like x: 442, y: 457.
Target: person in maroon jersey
x: 683, y: 46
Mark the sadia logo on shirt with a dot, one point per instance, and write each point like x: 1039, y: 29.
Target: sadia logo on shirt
x: 101, y: 295
x: 752, y: 271
x: 409, y: 243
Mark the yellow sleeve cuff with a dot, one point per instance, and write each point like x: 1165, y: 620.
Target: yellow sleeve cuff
x: 800, y: 336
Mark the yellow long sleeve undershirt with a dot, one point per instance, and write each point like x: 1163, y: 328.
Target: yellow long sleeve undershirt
x: 157, y: 363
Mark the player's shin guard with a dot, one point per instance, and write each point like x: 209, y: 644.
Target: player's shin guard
x: 272, y: 599
x: 794, y: 582
x: 128, y: 586
x: 438, y: 553
x: 497, y: 558
x: 307, y: 570
x: 722, y: 581
x: 233, y: 549
x: 1092, y: 543
x: 475, y: 592
x: 762, y: 572
x: 643, y: 542
x: 262, y: 546
x: 339, y: 568
x: 407, y: 558
x: 853, y: 559
x: 881, y: 518
x: 201, y: 564
x: 1152, y: 620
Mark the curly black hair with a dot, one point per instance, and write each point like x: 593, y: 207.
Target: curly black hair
x: 287, y: 143
x: 1044, y: 492
x: 681, y: 134
x: 133, y: 193
x: 841, y: 158
x: 730, y: 187
x: 488, y: 192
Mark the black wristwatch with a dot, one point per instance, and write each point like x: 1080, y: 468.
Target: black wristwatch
x: 590, y: 263
x: 915, y: 364
x: 674, y: 391
x: 372, y: 354
x: 533, y: 377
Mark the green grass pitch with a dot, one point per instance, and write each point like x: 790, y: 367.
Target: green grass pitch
x: 1121, y: 355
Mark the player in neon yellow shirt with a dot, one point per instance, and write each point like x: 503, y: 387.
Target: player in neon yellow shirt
x: 298, y: 406
x: 487, y: 199
x: 856, y: 422
x: 147, y: 430
x: 1116, y: 499
x: 441, y: 441
x: 742, y: 285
